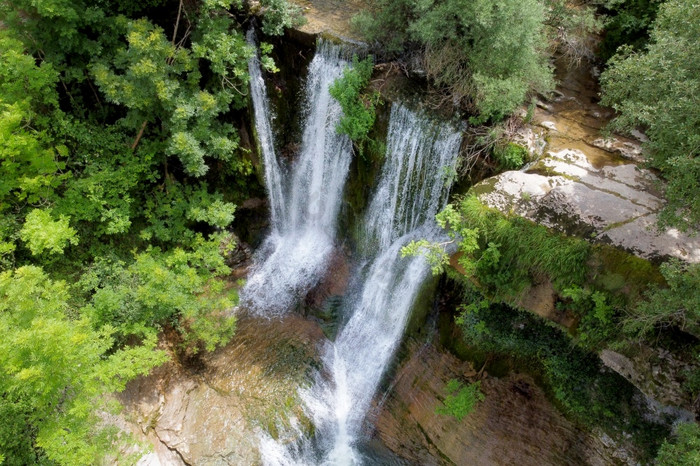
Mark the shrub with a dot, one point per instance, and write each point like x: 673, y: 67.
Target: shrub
x: 460, y: 400
x: 510, y: 156
x: 358, y: 105
x: 664, y: 105
x: 486, y: 54
x: 684, y: 450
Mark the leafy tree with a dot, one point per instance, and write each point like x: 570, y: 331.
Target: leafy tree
x: 628, y: 23
x: 44, y: 234
x: 54, y: 369
x: 678, y: 304
x: 177, y: 288
x: 170, y: 94
x: 172, y: 213
x: 279, y: 15
x: 29, y: 165
x: 684, y: 450
x: 665, y: 105
x: 489, y: 54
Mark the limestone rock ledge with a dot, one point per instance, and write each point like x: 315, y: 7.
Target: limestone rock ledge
x: 211, y: 413
x: 614, y: 204
x: 584, y: 183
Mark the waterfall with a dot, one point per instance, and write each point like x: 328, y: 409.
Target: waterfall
x: 295, y: 254
x: 263, y: 125
x: 413, y: 186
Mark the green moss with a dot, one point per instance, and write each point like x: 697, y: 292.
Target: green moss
x: 621, y: 272
x: 460, y: 400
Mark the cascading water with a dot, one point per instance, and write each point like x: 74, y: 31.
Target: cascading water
x: 301, y: 239
x: 412, y: 188
x: 274, y: 178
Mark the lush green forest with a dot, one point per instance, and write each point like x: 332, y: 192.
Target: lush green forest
x: 122, y: 162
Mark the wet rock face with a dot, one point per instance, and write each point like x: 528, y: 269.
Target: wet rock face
x: 515, y: 424
x: 584, y: 184
x: 210, y: 415
x: 657, y: 373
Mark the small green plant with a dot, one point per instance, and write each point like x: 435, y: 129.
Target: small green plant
x: 358, y: 104
x: 530, y: 111
x: 460, y: 400
x: 685, y: 450
x: 512, y: 156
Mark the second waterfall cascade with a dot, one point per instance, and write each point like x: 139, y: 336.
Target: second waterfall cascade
x: 414, y: 185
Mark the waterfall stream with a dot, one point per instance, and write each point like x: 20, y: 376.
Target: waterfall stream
x: 274, y: 177
x: 305, y: 200
x: 413, y: 186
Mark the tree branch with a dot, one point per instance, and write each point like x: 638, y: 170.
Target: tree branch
x: 138, y: 136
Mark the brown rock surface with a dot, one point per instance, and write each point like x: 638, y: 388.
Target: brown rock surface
x: 329, y: 16
x: 514, y: 425
x: 209, y: 415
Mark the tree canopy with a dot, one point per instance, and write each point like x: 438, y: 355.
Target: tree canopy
x: 112, y: 221
x: 658, y: 90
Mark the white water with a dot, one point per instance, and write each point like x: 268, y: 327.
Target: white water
x: 411, y: 190
x: 294, y: 256
x: 274, y: 178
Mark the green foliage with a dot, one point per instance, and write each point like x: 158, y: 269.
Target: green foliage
x: 676, y: 305
x: 359, y: 112
x: 597, y: 325
x: 171, y: 214
x: 434, y: 253
x: 574, y: 377
x: 684, y: 450
x: 178, y: 288
x: 665, y: 105
x: 279, y: 15
x: 54, y: 369
x: 510, y: 156
x: 460, y: 400
x: 487, y: 53
x: 106, y: 197
x: 29, y: 166
x: 171, y: 94
x: 628, y: 23
x: 507, y: 254
x: 42, y: 233
x: 65, y: 33
x: 92, y: 103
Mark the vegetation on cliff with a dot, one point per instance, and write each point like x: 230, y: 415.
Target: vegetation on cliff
x: 122, y: 161
x: 120, y: 167
x: 487, y: 55
x: 665, y: 104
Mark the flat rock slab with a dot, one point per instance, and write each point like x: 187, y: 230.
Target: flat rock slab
x: 212, y: 414
x: 583, y: 183
x: 617, y: 205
